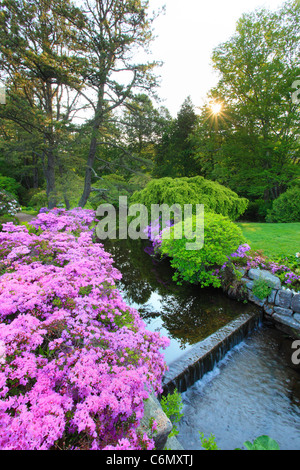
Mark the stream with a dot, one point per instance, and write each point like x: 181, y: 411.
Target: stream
x: 254, y: 390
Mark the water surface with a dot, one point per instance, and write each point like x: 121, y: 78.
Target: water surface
x: 185, y: 314
x: 254, y: 391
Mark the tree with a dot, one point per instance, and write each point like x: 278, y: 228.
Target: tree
x: 40, y: 65
x: 115, y: 30
x: 18, y: 157
x: 197, y: 190
x: 143, y: 125
x: 259, y: 146
x: 175, y: 156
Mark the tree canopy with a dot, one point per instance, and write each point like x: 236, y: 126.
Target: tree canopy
x: 197, y: 190
x: 252, y: 145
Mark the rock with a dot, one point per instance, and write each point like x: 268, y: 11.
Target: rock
x: 249, y: 284
x: 268, y: 309
x: 272, y: 296
x: 296, y: 316
x: 284, y: 298
x: 292, y: 326
x: 285, y: 312
x: 273, y: 281
x: 154, y: 410
x: 173, y: 444
x: 295, y: 304
x: 256, y: 300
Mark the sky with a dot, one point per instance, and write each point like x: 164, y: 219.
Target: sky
x: 186, y: 35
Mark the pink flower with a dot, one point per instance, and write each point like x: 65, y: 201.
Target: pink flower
x: 71, y: 367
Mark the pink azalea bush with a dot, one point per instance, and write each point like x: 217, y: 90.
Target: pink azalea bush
x: 76, y: 363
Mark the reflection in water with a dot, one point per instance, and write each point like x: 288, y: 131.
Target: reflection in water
x: 186, y: 314
x: 254, y: 391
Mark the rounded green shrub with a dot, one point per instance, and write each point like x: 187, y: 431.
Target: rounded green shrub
x: 10, y: 185
x: 221, y: 238
x: 197, y: 190
x: 286, y: 208
x: 39, y: 200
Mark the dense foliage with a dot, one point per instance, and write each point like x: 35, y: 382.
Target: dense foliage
x: 10, y: 185
x: 197, y: 190
x: 76, y: 362
x: 286, y: 208
x: 221, y: 238
x: 252, y: 144
x: 58, y: 49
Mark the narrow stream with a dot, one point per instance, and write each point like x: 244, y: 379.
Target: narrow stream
x: 254, y: 390
x: 185, y: 314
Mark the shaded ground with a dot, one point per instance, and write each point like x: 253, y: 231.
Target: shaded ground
x: 24, y: 217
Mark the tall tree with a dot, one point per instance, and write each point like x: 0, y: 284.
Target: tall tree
x: 143, y: 125
x: 40, y: 65
x: 175, y: 156
x: 258, y: 67
x: 115, y: 31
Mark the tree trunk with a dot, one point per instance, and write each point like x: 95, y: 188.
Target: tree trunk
x: 35, y: 171
x: 50, y: 179
x: 49, y: 136
x: 93, y: 149
x: 88, y: 172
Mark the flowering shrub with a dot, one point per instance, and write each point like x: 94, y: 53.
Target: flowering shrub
x: 286, y: 268
x: 154, y: 232
x: 8, y: 203
x: 76, y: 363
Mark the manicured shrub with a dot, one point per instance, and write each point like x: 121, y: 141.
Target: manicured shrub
x: 197, y: 190
x: 286, y: 208
x: 221, y: 238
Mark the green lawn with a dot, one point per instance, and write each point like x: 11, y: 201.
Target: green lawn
x: 273, y: 239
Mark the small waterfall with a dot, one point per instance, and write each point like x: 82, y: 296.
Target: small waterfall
x: 203, y: 357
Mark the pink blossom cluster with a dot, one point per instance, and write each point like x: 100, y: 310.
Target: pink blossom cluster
x: 57, y: 219
x: 155, y: 233
x: 76, y: 362
x: 244, y: 256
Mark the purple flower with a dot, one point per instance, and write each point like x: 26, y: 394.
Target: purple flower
x: 78, y: 360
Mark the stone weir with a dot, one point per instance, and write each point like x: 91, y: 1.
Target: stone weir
x: 203, y: 356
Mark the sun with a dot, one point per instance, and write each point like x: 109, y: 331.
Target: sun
x: 216, y: 108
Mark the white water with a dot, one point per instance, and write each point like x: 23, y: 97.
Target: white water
x: 252, y: 392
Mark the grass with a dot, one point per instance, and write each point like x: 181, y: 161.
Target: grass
x: 273, y: 239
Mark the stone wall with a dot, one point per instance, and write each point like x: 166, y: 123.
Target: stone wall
x: 282, y: 306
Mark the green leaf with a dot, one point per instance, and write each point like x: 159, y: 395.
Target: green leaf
x: 262, y: 443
